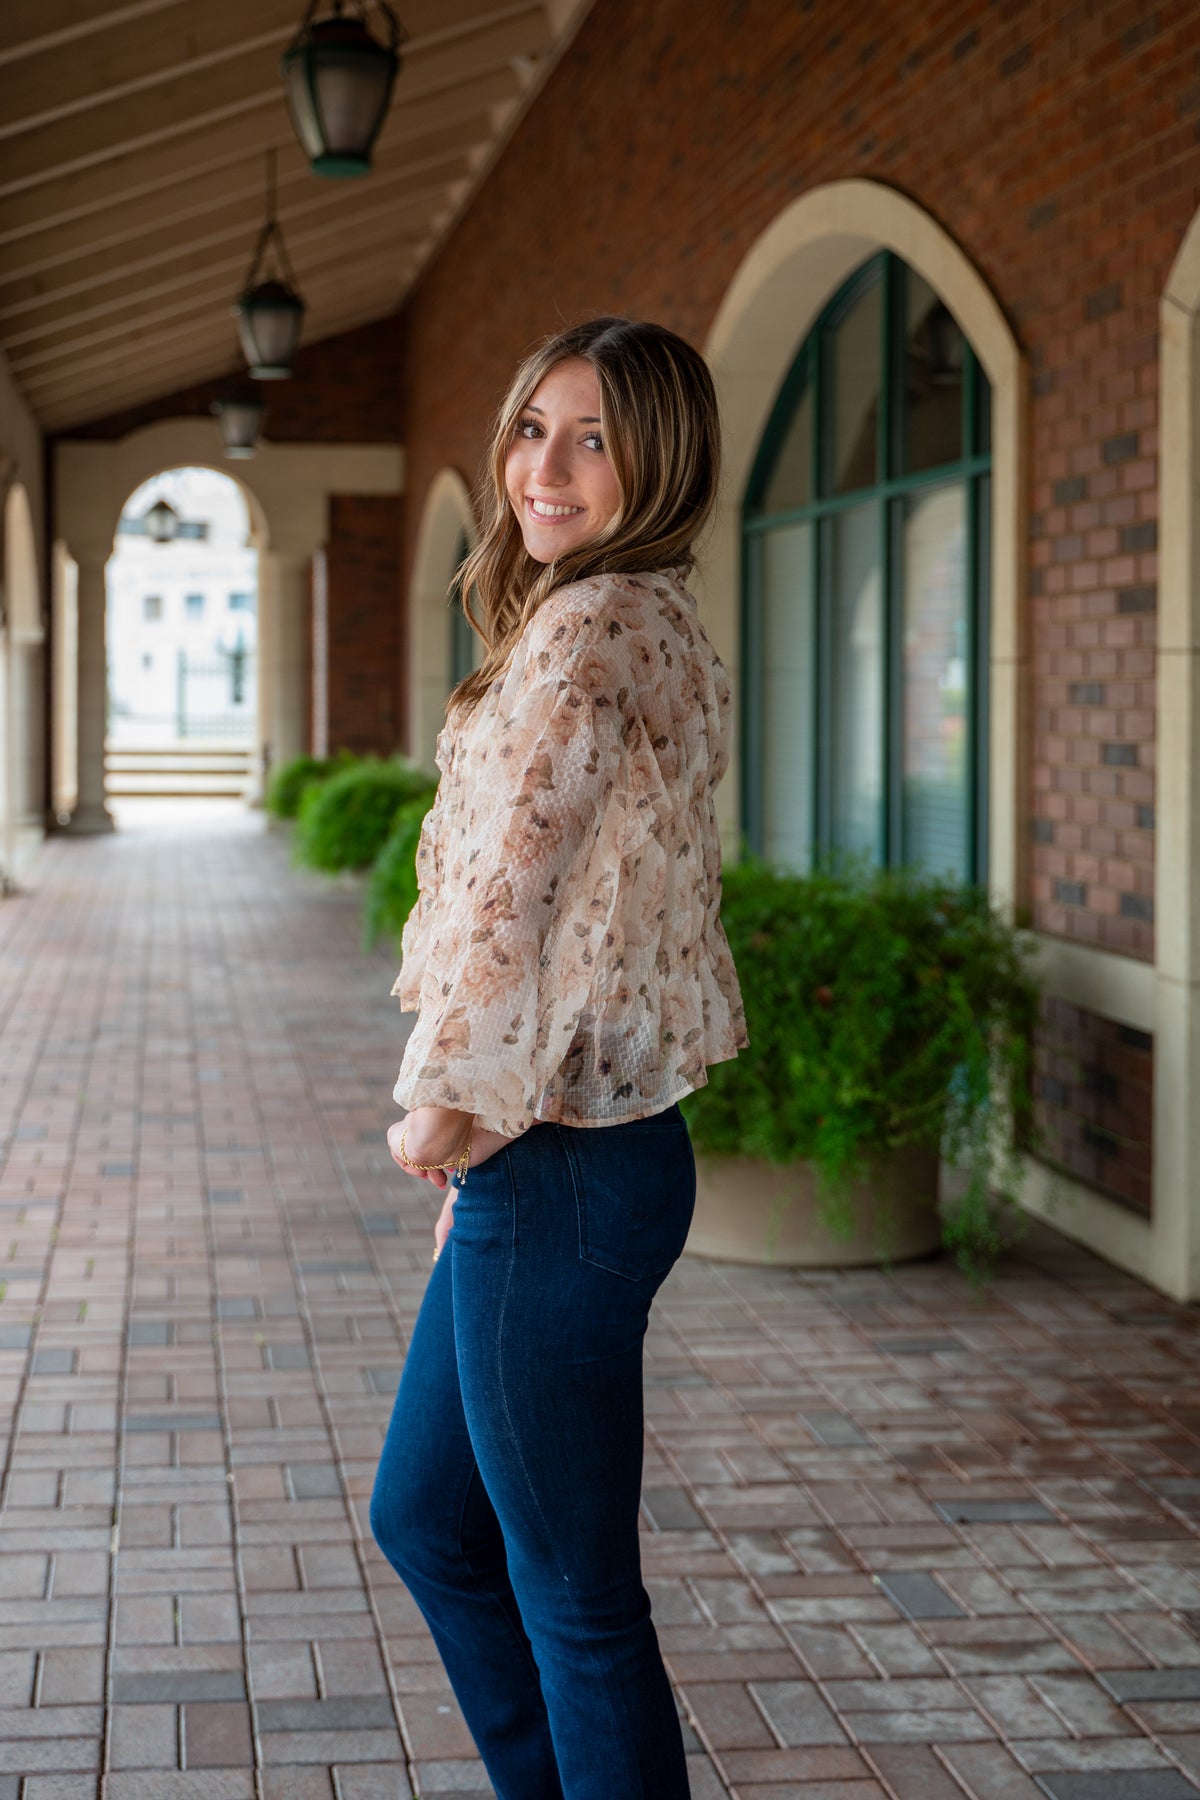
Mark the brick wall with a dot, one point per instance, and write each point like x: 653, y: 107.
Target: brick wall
x: 1093, y: 1100
x: 344, y: 390
x: 1056, y: 143
x: 364, y: 624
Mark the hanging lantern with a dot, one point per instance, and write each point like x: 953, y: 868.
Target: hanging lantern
x: 160, y: 522
x: 339, y: 80
x: 269, y: 311
x: 239, y: 409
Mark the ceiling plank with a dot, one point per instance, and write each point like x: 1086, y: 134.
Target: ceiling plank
x: 145, y: 53
x: 186, y: 103
x: 117, y: 184
x: 209, y: 287
x: 28, y: 27
x: 170, y: 42
x: 232, y: 228
x: 220, y: 189
x: 108, y: 386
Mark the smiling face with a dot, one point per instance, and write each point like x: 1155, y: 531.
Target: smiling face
x: 560, y: 482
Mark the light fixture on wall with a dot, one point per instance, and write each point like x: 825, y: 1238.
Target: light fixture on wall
x: 239, y: 408
x: 269, y: 311
x: 160, y: 522
x: 339, y: 80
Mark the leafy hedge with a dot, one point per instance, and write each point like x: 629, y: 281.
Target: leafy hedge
x: 345, y: 820
x: 392, y: 888
x: 883, y: 1009
x: 292, y: 780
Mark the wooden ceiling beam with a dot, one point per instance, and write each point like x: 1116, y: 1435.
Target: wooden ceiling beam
x: 233, y: 229
x: 140, y: 53
x: 148, y: 52
x: 118, y: 184
x: 209, y: 290
x: 183, y: 104
x: 216, y: 191
x: 28, y: 27
x: 91, y: 391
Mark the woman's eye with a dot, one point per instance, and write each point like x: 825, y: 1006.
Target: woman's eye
x: 594, y: 441
x: 528, y: 428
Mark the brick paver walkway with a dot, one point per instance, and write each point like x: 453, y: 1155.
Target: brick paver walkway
x: 900, y: 1542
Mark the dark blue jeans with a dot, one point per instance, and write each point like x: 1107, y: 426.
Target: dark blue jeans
x: 508, y: 1491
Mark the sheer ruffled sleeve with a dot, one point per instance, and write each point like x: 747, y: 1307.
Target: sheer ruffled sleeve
x: 414, y: 941
x: 530, y: 911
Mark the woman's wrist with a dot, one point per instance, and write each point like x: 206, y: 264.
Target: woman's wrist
x: 435, y: 1137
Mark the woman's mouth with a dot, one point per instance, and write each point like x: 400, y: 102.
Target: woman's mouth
x: 551, y: 512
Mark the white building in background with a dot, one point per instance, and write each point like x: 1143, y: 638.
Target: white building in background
x: 182, y: 617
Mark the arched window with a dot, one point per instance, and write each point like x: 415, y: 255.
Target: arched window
x: 866, y: 556
x: 463, y: 642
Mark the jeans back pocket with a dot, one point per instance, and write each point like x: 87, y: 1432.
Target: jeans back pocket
x: 635, y: 1190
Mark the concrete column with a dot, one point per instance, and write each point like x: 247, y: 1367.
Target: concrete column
x: 91, y: 814
x: 284, y: 589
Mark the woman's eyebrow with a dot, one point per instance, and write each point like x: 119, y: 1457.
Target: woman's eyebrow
x: 588, y: 419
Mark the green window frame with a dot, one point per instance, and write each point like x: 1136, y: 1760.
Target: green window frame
x: 463, y: 641
x: 807, y: 404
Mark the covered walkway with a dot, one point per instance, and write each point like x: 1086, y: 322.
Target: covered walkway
x: 900, y: 1543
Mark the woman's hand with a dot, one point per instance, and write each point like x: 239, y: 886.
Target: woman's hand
x: 432, y: 1134
x: 445, y: 1220
x: 439, y: 1134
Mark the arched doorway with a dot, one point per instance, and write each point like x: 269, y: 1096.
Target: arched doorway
x: 22, y: 636
x: 182, y: 635
x: 287, y: 492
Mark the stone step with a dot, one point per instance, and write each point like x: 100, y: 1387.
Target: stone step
x: 151, y: 782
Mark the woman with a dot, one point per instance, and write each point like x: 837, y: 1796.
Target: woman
x: 571, y: 981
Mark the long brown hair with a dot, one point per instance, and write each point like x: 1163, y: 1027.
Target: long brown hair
x: 659, y: 425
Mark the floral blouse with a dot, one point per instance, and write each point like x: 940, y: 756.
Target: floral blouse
x: 565, y: 956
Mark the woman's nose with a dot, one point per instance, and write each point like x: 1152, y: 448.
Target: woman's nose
x: 552, y: 467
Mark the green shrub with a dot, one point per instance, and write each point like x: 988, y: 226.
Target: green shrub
x: 345, y: 821
x: 292, y: 780
x: 392, y: 888
x: 883, y: 1009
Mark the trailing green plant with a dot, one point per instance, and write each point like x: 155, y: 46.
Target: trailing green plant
x: 292, y: 780
x: 884, y: 1008
x: 344, y: 822
x: 392, y: 887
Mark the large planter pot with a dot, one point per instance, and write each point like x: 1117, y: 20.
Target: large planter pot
x: 755, y: 1212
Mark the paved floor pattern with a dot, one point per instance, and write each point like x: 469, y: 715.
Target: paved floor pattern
x: 900, y: 1541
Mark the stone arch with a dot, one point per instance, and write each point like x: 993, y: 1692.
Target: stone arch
x: 446, y: 518
x: 287, y: 493
x: 774, y: 299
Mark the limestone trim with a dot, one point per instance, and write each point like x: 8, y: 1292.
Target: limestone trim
x: 1176, y: 1231
x: 1104, y: 1226
x: 286, y: 486
x: 775, y: 298
x: 1117, y: 987
x: 446, y: 518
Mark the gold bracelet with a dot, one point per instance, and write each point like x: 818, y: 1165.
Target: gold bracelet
x: 460, y: 1166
